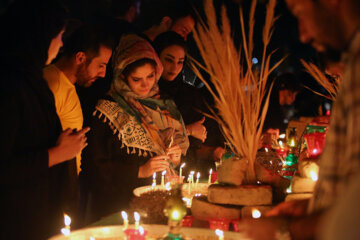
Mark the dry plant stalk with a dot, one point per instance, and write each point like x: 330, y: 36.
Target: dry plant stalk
x: 241, y: 96
x: 331, y: 87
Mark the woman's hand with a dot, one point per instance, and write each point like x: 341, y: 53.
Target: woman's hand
x: 175, y: 154
x: 197, y: 130
x: 68, y: 145
x: 155, y: 164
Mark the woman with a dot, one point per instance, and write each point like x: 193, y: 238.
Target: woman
x: 134, y: 132
x: 171, y: 49
x: 35, y: 170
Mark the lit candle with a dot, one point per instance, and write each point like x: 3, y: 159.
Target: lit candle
x: 181, y: 167
x: 281, y: 144
x: 313, y: 175
x: 220, y: 234
x: 266, y: 150
x: 141, y: 230
x: 189, y: 184
x: 168, y: 186
x: 292, y: 142
x: 66, y: 230
x: 282, y: 136
x: 197, y: 178
x: 163, y: 178
x: 154, y: 180
x: 137, y: 220
x: 192, y: 176
x: 255, y: 213
x: 210, y: 172
x: 125, y: 219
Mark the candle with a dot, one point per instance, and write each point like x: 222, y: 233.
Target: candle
x: 197, y: 178
x: 255, y: 213
x: 137, y: 220
x: 154, y: 180
x: 168, y: 186
x: 66, y: 230
x: 210, y: 172
x: 181, y: 167
x: 192, y: 176
x: 189, y: 184
x: 313, y: 175
x: 163, y: 178
x: 220, y: 234
x: 125, y: 219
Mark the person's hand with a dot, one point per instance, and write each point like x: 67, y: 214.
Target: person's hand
x: 293, y: 208
x: 175, y: 154
x: 68, y: 145
x: 197, y: 130
x: 155, y: 164
x: 262, y: 228
x: 218, y: 152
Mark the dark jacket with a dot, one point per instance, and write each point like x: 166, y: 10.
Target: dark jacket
x: 109, y: 174
x: 32, y: 193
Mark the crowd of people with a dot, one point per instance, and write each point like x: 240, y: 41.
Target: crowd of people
x: 73, y: 144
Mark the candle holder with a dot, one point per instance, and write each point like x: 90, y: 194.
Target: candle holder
x: 187, y: 221
x: 315, y: 143
x: 219, y: 223
x: 133, y: 234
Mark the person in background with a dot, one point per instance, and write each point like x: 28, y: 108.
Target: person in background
x: 171, y: 48
x: 34, y: 176
x: 83, y: 60
x: 332, y: 27
x: 158, y: 16
x: 135, y: 133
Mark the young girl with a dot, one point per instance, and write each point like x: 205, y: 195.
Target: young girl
x: 134, y: 133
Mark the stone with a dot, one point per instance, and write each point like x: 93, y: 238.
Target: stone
x: 244, y: 195
x: 246, y: 211
x: 297, y: 196
x: 232, y: 171
x: 302, y: 185
x: 272, y: 178
x: 204, y: 210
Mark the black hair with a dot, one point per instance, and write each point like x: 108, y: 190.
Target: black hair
x: 153, y: 11
x: 120, y: 7
x: 168, y: 39
x: 88, y: 39
x: 138, y: 63
x: 288, y: 81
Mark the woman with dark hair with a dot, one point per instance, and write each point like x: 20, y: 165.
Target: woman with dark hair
x: 171, y: 48
x: 135, y: 133
x: 35, y: 171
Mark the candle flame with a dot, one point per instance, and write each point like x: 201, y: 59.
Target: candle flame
x: 210, y: 172
x: 92, y: 238
x: 198, y: 175
x: 65, y: 231
x: 282, y: 135
x: 313, y: 175
x: 136, y: 216
x: 292, y: 143
x: 124, y: 215
x: 182, y: 165
x: 187, y: 201
x: 219, y: 233
x: 288, y: 190
x: 266, y: 150
x: 280, y: 143
x: 167, y: 186
x: 314, y: 151
x: 67, y: 220
x: 141, y: 230
x: 192, y: 172
x: 175, y: 214
x: 255, y: 213
x: 163, y: 173
x: 153, y: 184
x: 154, y: 175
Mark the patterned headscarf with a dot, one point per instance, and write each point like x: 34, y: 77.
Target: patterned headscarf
x: 144, y: 123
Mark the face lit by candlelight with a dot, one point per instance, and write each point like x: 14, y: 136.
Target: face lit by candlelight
x: 319, y: 24
x: 142, y: 79
x: 172, y: 58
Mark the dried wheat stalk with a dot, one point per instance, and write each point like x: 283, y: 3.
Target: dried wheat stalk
x: 331, y: 87
x: 241, y: 96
